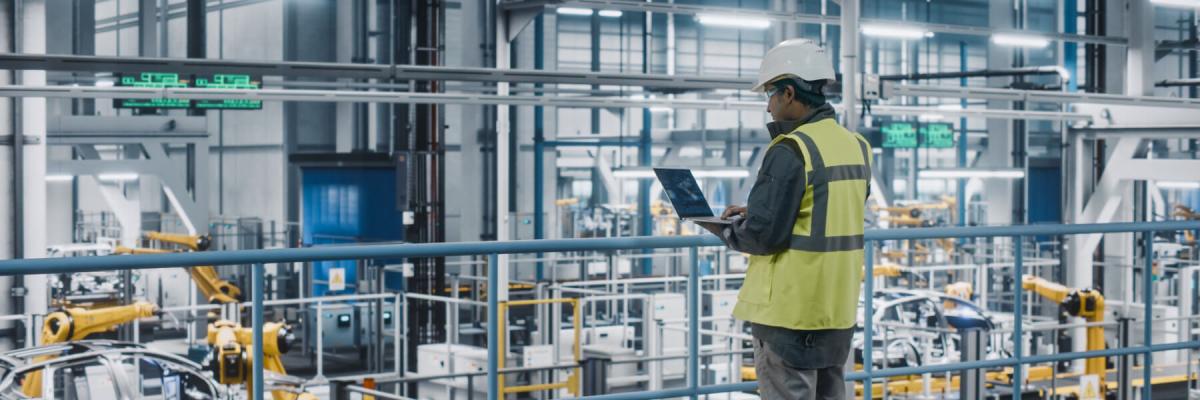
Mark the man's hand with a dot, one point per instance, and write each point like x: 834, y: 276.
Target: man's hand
x: 711, y: 227
x: 732, y: 211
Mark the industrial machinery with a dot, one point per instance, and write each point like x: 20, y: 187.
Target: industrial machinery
x: 104, y: 369
x: 232, y: 359
x: 1084, y: 303
x: 215, y: 289
x: 71, y: 324
x: 919, y: 214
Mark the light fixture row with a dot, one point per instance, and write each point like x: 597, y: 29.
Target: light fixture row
x: 114, y: 177
x: 914, y: 33
x: 587, y: 12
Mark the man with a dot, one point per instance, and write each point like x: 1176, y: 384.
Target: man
x: 803, y: 227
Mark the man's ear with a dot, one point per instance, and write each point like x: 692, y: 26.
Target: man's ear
x: 790, y: 92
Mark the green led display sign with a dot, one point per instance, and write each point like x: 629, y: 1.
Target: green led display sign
x: 937, y: 135
x: 155, y: 80
x: 227, y: 81
x: 165, y: 80
x: 899, y: 135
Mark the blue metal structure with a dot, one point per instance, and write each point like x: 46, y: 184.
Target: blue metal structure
x: 344, y: 205
x: 492, y: 249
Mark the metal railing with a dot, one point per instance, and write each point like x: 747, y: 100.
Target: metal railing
x: 257, y: 258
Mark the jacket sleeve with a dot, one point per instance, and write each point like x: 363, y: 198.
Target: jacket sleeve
x: 773, y: 204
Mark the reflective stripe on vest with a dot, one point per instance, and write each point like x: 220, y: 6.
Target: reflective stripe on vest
x: 818, y: 179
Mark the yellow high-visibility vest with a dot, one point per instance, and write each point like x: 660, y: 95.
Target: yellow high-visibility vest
x: 815, y: 283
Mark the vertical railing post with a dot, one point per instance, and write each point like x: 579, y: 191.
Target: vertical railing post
x: 1018, y: 298
x: 396, y: 335
x: 258, y: 331
x: 493, y: 334
x: 972, y: 349
x: 1125, y: 370
x: 693, y: 291
x: 1148, y: 283
x: 868, y: 317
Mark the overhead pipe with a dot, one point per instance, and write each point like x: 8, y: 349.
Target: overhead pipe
x: 1061, y: 72
x: 1178, y: 82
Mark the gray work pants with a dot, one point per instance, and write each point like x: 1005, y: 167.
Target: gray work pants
x: 778, y: 381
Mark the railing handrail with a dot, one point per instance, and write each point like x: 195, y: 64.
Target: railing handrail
x: 410, y: 250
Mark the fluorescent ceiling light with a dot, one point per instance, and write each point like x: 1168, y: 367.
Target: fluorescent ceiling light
x: 950, y: 107
x: 930, y: 117
x: 1178, y: 185
x: 122, y: 177
x: 105, y: 83
x: 1177, y: 3
x: 972, y: 173
x: 610, y: 13
x: 893, y: 32
x: 721, y: 173
x: 660, y: 109
x: 627, y: 173
x: 733, y: 21
x: 1015, y: 40
x: 574, y: 11
x: 59, y: 178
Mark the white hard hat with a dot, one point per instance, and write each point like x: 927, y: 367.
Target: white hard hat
x: 794, y: 58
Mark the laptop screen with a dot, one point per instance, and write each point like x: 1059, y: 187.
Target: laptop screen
x: 684, y: 193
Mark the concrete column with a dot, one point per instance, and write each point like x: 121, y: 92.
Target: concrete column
x: 33, y: 123
x: 464, y: 127
x: 7, y: 212
x: 147, y: 28
x: 997, y: 194
x: 849, y: 41
x: 503, y: 174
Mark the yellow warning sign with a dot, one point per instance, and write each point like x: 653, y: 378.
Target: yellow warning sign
x: 337, y: 279
x: 1089, y: 388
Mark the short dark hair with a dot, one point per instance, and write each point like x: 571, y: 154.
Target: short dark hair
x: 807, y: 92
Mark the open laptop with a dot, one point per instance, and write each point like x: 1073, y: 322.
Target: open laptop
x: 686, y: 196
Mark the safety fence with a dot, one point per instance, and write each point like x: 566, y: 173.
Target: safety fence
x: 257, y: 258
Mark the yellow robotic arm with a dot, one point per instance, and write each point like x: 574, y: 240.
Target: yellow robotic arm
x: 77, y: 324
x: 215, y: 289
x: 191, y: 242
x: 1084, y: 303
x: 962, y: 290
x: 234, y: 345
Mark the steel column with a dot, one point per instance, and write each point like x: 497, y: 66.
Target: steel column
x: 693, y: 374
x: 539, y: 147
x: 1148, y: 298
x: 868, y: 316
x: 1018, y: 296
x: 493, y: 328
x: 962, y: 139
x: 258, y: 331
